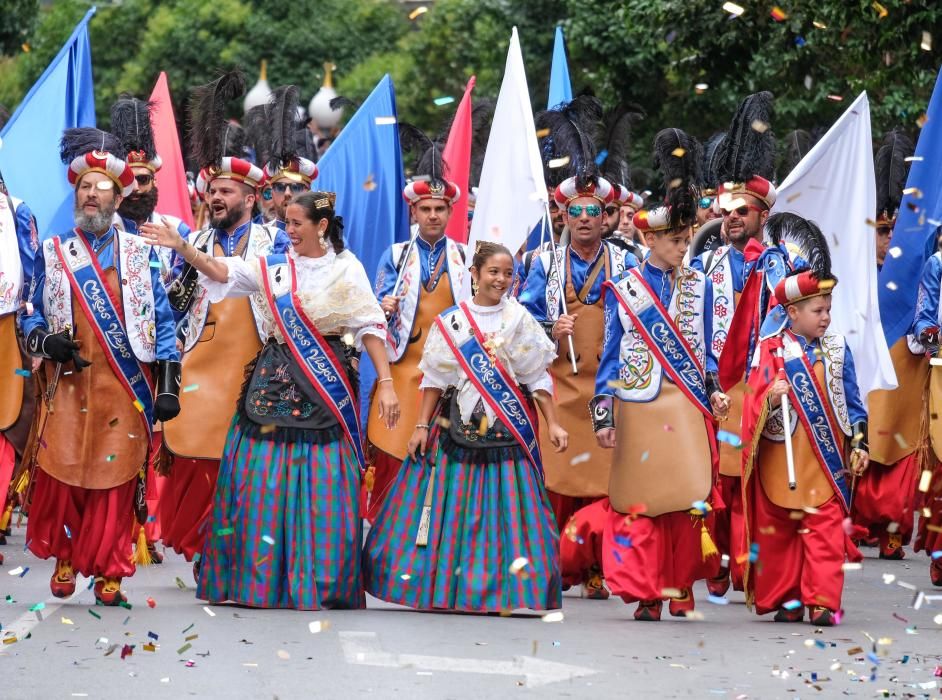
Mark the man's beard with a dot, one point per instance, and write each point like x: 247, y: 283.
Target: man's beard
x: 139, y: 206
x: 232, y: 216
x: 94, y: 222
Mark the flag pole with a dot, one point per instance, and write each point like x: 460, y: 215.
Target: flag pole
x: 562, y: 295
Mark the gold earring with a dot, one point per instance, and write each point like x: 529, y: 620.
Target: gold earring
x: 474, y: 287
x: 321, y: 241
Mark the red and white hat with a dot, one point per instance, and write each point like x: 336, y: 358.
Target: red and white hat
x: 757, y: 186
x: 298, y: 169
x: 138, y: 159
x: 231, y: 168
x: 418, y: 190
x: 106, y: 163
x: 652, y: 219
x: 800, y: 286
x: 598, y: 188
x: 632, y: 199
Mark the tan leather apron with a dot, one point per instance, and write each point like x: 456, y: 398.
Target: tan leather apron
x: 11, y: 397
x: 94, y: 438
x: 814, y: 487
x: 895, y: 416
x: 589, y: 478
x: 406, y: 376
x: 662, y: 454
x: 215, y: 366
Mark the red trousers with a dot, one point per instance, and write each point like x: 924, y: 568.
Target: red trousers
x: 186, y: 498
x: 385, y: 470
x: 929, y: 536
x: 798, y: 559
x: 92, y: 528
x: 886, y: 494
x: 727, y: 527
x: 580, y: 541
x: 7, y: 464
x: 640, y: 557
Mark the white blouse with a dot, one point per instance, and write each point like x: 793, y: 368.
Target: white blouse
x: 515, y: 338
x: 334, y: 292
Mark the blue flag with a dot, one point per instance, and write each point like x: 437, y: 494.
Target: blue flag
x: 560, y: 89
x: 920, y: 214
x: 364, y: 167
x: 62, y: 98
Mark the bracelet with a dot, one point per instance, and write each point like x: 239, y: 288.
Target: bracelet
x: 183, y: 253
x: 422, y: 426
x: 384, y: 379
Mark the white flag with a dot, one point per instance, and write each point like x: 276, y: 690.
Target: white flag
x: 512, y: 195
x: 834, y: 187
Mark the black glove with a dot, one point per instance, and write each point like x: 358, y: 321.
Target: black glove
x: 56, y: 346
x: 602, y: 410
x: 167, y: 404
x: 859, y: 440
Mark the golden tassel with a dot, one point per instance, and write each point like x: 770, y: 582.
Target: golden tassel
x: 707, y: 546
x: 369, y: 480
x: 141, y: 552
x: 7, y: 514
x: 22, y: 482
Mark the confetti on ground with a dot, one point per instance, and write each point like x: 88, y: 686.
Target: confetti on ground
x: 16, y: 572
x: 151, y: 603
x: 94, y: 614
x: 318, y: 626
x: 718, y: 599
x: 208, y: 611
x: 184, y: 648
x: 180, y: 584
x: 66, y: 621
x: 149, y: 647
x: 556, y: 616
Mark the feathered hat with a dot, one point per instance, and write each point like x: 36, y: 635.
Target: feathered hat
x: 130, y: 122
x: 89, y: 150
x: 815, y: 278
x: 891, y: 168
x: 286, y: 161
x: 217, y: 145
x: 567, y: 142
x: 745, y: 160
x: 708, y: 180
x: 679, y: 157
x: 428, y: 178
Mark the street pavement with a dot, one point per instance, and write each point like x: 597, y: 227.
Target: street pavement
x: 174, y: 646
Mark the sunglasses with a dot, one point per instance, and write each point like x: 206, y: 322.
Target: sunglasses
x: 143, y: 180
x: 266, y: 194
x: 592, y: 210
x: 295, y: 187
x: 705, y: 202
x: 743, y: 210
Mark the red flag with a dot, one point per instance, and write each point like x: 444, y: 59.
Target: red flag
x: 173, y: 197
x: 457, y: 157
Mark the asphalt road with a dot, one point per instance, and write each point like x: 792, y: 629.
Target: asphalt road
x: 72, y: 648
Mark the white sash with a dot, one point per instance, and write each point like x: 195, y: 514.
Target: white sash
x: 260, y: 243
x: 11, y: 268
x: 412, y: 285
x: 724, y: 297
x: 137, y: 292
x: 556, y: 274
x: 639, y: 372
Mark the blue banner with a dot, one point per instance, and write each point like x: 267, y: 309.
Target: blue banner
x: 62, y: 98
x: 560, y: 88
x: 914, y: 234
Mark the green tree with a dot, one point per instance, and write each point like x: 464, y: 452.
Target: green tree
x: 19, y: 18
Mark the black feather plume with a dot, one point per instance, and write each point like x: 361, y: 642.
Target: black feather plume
x: 891, y: 168
x: 232, y: 140
x: 85, y: 139
x: 339, y: 102
x: 616, y: 139
x: 130, y: 122
x: 785, y: 227
x: 708, y: 179
x: 749, y: 147
x: 482, y: 115
x: 304, y: 144
x: 571, y: 134
x: 282, y: 116
x: 426, y: 152
x: 679, y: 156
x: 257, y: 135
x: 210, y: 135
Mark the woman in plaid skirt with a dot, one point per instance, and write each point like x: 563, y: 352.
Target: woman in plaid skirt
x: 285, y: 528
x: 467, y: 524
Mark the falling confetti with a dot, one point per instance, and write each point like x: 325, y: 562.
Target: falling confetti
x: 384, y: 121
x: 418, y: 12
x: 20, y: 372
x: 881, y: 11
x: 778, y: 14
x: 558, y: 162
x: 518, y: 565
x: 442, y: 101
x: 191, y: 387
x: 678, y: 152
x: 733, y: 9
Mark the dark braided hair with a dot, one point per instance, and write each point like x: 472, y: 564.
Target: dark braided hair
x: 320, y: 205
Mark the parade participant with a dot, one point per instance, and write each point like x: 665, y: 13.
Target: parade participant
x: 650, y: 534
x: 99, y: 316
x: 707, y: 204
x: 416, y: 281
x: 883, y: 502
x: 131, y: 123
x: 18, y: 244
x: 563, y: 292
x: 621, y: 214
x: 467, y: 524
x: 613, y: 145
x: 290, y: 168
x: 219, y: 338
x: 743, y: 157
x: 796, y: 494
x: 285, y: 529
